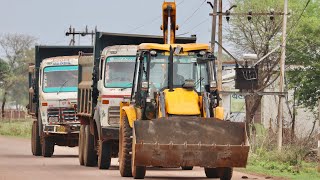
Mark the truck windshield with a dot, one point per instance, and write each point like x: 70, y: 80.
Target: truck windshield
x: 119, y: 71
x: 184, y: 67
x: 60, y: 79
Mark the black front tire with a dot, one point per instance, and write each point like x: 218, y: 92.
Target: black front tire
x: 104, y: 155
x: 35, y: 140
x: 89, y: 153
x: 212, y: 172
x: 138, y: 172
x: 47, y: 147
x: 224, y: 173
x: 125, y: 147
x: 81, y: 144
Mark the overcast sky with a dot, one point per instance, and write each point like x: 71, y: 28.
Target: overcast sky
x: 49, y: 20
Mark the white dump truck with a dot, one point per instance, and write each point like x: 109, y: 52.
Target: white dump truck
x: 53, y: 81
x: 105, y: 79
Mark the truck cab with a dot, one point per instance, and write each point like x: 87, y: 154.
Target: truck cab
x: 58, y: 79
x: 100, y: 92
x: 53, y: 81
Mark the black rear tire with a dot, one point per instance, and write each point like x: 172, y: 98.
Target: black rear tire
x: 47, y: 147
x: 104, y: 155
x: 212, y: 172
x: 89, y: 153
x: 186, y: 167
x: 35, y: 140
x: 125, y: 147
x: 81, y: 144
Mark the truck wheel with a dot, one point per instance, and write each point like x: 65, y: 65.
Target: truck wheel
x: 89, y: 153
x: 47, y: 147
x: 81, y: 144
x: 186, y: 167
x: 138, y: 172
x: 225, y: 173
x: 35, y: 140
x: 212, y: 172
x: 104, y: 155
x: 125, y: 148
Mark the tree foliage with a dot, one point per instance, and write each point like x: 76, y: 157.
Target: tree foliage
x: 304, y: 56
x: 18, y: 52
x: 260, y: 35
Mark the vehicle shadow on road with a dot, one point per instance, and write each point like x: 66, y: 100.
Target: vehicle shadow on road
x: 17, y: 156
x: 64, y: 156
x: 174, y: 177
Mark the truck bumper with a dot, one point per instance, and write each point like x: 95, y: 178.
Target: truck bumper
x: 62, y: 129
x: 110, y: 133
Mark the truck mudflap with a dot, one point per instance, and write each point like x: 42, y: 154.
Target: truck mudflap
x: 189, y: 141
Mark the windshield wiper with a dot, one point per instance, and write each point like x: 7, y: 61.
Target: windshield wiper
x: 62, y: 86
x: 199, y: 81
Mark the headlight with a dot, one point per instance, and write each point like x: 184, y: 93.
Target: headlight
x: 202, y: 53
x: 53, y: 120
x: 213, y: 84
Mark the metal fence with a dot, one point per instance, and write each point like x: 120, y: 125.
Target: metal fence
x: 13, y: 114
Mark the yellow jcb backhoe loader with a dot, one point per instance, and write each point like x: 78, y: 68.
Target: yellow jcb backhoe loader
x: 173, y: 118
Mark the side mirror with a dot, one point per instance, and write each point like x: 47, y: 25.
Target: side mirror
x: 99, y: 85
x: 144, y: 85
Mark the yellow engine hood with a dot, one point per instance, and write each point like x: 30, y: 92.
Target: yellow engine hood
x: 182, y: 102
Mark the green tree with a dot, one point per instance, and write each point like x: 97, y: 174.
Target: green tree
x: 259, y: 36
x: 304, y: 56
x: 17, y: 49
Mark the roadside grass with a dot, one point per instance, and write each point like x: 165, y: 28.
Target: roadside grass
x: 277, y: 169
x: 294, y: 162
x: 18, y: 128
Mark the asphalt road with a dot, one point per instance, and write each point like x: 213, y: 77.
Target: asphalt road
x: 17, y: 162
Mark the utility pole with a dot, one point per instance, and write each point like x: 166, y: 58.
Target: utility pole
x: 219, y: 59
x: 319, y: 137
x: 282, y: 73
x: 73, y: 32
x: 213, y: 34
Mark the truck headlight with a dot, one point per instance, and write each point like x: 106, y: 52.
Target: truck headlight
x: 53, y: 120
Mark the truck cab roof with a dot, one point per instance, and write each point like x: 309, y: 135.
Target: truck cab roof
x: 122, y: 50
x: 166, y: 47
x: 60, y: 60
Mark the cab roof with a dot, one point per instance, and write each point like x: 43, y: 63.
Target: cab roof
x: 166, y: 47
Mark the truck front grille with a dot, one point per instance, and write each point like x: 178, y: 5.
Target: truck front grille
x: 114, y: 115
x: 62, y: 115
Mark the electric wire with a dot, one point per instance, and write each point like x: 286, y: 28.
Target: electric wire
x: 194, y: 12
x: 151, y: 21
x: 194, y: 27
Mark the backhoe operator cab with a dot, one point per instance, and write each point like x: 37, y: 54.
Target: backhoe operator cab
x: 174, y: 70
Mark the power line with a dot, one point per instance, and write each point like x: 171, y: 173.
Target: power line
x: 151, y: 21
x: 300, y: 16
x: 194, y: 27
x: 193, y: 14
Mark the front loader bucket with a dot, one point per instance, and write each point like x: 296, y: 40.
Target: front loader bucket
x: 190, y: 141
